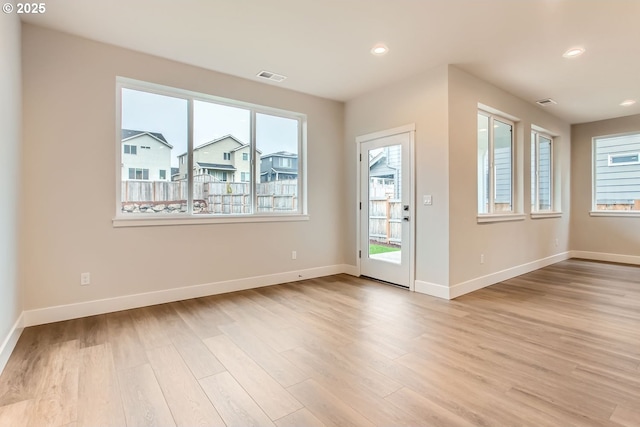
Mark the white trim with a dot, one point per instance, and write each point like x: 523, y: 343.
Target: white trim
x: 412, y: 202
x: 410, y: 129
x: 629, y: 214
x: 633, y: 162
x: 10, y: 341
x: 90, y: 308
x: 500, y: 217
x: 149, y: 220
x: 352, y: 270
x: 385, y: 133
x: 548, y: 214
x: 442, y: 291
x: 602, y: 256
x: 190, y: 97
x: 433, y: 289
x: 500, y: 276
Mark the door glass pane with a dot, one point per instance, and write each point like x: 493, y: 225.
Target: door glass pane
x: 385, y: 203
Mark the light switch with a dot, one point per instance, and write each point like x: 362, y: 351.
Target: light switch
x: 427, y: 200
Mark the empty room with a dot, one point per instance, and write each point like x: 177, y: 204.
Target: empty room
x: 320, y: 213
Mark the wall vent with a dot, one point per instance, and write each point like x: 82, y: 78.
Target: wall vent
x: 545, y: 102
x: 271, y: 76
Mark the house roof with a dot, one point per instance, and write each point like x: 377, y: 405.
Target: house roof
x: 128, y: 134
x: 291, y: 171
x: 216, y: 166
x: 222, y: 138
x: 281, y: 154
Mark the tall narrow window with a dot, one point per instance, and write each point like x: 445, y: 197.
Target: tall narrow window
x: 616, y: 180
x: 541, y: 172
x: 495, y: 164
x: 220, y: 154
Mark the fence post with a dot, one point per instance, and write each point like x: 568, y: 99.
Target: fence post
x: 388, y: 221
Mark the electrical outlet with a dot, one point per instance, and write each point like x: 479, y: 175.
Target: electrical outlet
x: 481, y: 258
x: 85, y: 279
x: 294, y: 255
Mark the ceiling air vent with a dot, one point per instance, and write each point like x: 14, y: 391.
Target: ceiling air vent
x: 271, y: 76
x: 545, y: 102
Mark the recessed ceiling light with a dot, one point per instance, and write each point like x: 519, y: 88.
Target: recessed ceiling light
x: 628, y: 102
x: 573, y: 52
x: 379, y: 49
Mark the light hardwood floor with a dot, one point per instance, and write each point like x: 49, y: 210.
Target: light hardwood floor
x: 556, y: 347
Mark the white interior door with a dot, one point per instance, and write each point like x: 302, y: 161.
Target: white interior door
x: 386, y: 208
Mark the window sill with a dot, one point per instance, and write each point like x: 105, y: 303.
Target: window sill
x: 628, y: 214
x: 547, y: 214
x: 484, y: 218
x: 146, y: 221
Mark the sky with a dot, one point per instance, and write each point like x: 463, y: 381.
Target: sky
x: 167, y: 115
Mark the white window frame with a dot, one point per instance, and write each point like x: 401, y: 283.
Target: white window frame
x: 132, y: 220
x: 135, y: 173
x: 492, y: 215
x: 535, y: 165
x: 635, y: 162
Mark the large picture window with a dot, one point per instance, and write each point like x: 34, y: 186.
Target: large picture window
x: 541, y: 172
x: 616, y: 173
x: 225, y: 157
x: 495, y: 164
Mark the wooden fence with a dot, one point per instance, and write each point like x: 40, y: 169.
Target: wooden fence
x: 218, y: 197
x: 385, y: 220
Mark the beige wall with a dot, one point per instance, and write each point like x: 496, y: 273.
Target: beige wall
x: 609, y: 235
x: 70, y: 113
x: 443, y: 104
x: 505, y: 244
x: 10, y: 145
x: 421, y: 100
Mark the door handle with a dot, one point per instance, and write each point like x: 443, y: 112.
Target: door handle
x: 406, y: 218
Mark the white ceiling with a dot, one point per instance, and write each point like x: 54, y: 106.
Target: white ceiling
x: 323, y: 45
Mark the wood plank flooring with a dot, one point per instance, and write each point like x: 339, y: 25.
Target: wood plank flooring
x: 556, y: 347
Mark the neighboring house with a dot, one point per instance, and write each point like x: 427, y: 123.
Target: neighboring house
x: 617, y: 168
x: 225, y: 159
x: 503, y: 178
x: 145, y: 156
x: 278, y: 166
x: 384, y: 170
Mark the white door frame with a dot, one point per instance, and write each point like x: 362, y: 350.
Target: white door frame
x: 411, y: 129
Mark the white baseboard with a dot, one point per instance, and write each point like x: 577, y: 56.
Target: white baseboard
x: 601, y: 256
x: 90, y: 308
x: 352, y: 270
x: 10, y: 342
x: 433, y: 289
x: 446, y: 292
x: 491, y: 279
